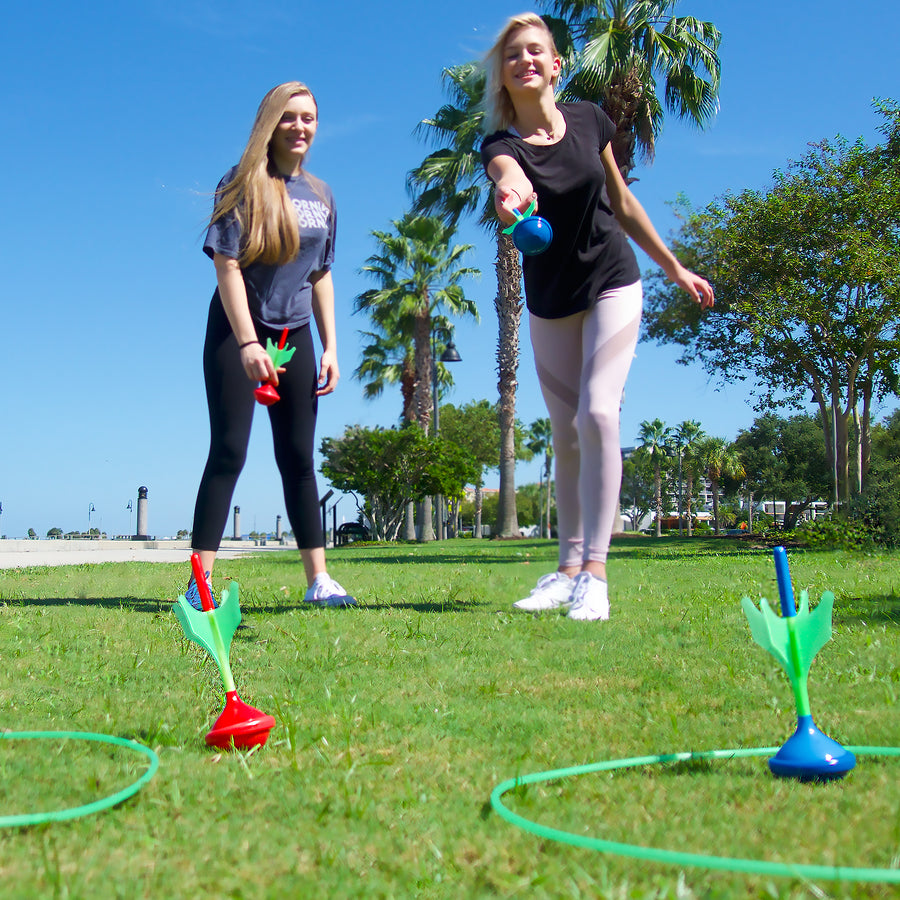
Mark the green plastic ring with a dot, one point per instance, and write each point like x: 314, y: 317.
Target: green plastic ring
x: 88, y: 808
x: 751, y: 866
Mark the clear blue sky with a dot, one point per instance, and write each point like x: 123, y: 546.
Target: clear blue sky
x: 118, y: 121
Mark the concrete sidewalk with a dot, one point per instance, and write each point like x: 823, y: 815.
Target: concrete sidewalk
x: 20, y: 554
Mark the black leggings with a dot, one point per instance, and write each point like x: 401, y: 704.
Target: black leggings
x: 229, y: 394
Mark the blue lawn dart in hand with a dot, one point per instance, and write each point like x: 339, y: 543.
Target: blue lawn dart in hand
x: 794, y: 639
x: 531, y: 234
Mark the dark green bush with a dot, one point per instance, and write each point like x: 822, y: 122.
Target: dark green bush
x: 834, y: 534
x: 877, y: 509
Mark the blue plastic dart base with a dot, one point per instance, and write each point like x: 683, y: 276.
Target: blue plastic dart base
x: 811, y: 755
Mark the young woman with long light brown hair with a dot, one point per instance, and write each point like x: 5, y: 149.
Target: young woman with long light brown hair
x: 271, y: 238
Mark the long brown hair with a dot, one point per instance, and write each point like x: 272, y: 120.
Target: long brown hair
x: 257, y: 194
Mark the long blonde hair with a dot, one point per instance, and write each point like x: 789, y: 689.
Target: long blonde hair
x: 500, y: 110
x: 257, y: 194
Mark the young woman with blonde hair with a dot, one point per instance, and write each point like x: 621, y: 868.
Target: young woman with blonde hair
x: 271, y: 238
x: 583, y: 293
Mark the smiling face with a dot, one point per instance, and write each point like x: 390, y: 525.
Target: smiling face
x: 294, y: 133
x: 528, y: 61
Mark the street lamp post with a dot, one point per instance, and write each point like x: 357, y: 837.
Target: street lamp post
x: 450, y: 354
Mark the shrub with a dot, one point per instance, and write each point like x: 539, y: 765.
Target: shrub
x: 877, y: 509
x: 834, y: 534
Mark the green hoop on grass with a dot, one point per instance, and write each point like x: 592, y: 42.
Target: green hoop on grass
x: 673, y: 857
x: 87, y: 808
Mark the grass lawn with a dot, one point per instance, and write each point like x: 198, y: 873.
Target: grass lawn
x: 395, y: 721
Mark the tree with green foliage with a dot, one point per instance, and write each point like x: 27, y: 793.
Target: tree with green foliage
x: 388, y: 358
x: 685, y: 438
x: 475, y: 428
x: 392, y: 467
x: 720, y: 461
x: 878, y: 506
x: 807, y: 292
x: 637, y: 493
x: 654, y: 440
x: 529, y: 508
x: 784, y: 459
x: 616, y: 52
x: 419, y: 273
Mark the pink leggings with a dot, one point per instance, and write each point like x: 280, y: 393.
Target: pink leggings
x: 582, y: 362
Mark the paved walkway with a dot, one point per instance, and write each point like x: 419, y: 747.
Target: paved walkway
x: 22, y: 554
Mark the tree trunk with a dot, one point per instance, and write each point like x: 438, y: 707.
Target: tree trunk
x: 657, y: 486
x: 548, y: 473
x: 715, y: 492
x: 423, y: 405
x: 541, y: 505
x: 409, y: 522
x: 508, y: 304
x: 425, y: 527
x: 479, y: 502
x: 865, y: 439
x: 690, y: 494
x: 837, y: 441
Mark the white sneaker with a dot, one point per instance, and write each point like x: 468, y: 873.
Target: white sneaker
x: 325, y: 591
x: 590, y: 598
x: 553, y: 591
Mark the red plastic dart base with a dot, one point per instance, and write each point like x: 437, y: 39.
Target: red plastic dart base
x: 266, y: 394
x: 240, y: 725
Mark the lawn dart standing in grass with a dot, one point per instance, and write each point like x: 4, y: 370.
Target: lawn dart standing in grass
x: 794, y: 640
x: 271, y: 238
x: 212, y: 627
x: 583, y: 293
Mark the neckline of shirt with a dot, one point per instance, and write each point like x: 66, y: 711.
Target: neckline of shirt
x: 514, y: 131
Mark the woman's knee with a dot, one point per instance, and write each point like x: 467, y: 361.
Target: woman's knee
x: 599, y: 423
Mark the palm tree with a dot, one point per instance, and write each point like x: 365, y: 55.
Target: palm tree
x: 451, y: 182
x: 655, y: 437
x: 614, y: 52
x: 720, y: 460
x: 388, y: 358
x: 418, y: 273
x: 541, y: 442
x: 686, y: 436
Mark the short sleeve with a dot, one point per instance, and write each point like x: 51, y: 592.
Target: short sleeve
x: 224, y: 235
x: 497, y: 144
x: 605, y: 126
x: 328, y: 258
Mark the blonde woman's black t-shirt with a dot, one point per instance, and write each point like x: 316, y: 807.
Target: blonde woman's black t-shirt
x: 589, y: 253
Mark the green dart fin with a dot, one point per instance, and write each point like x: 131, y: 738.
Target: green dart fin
x: 197, y: 626
x: 768, y: 630
x: 280, y: 357
x: 812, y: 630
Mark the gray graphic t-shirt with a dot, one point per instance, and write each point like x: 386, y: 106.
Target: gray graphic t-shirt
x: 281, y: 296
